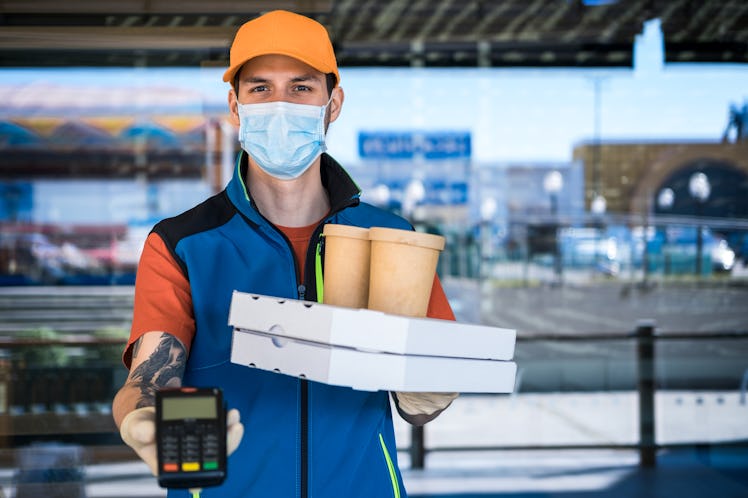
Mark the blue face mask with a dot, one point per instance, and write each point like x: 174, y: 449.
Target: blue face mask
x: 284, y: 139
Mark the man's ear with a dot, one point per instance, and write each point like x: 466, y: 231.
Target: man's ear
x: 233, y: 108
x: 336, y: 102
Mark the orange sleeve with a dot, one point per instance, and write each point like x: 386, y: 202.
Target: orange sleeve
x: 163, y: 302
x: 438, y: 304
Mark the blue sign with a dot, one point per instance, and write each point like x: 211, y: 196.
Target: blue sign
x: 407, y: 145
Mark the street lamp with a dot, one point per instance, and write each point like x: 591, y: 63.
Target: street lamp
x: 488, y: 208
x: 665, y: 201
x: 699, y: 188
x: 598, y: 206
x: 553, y: 182
x: 415, y: 192
x: 666, y: 198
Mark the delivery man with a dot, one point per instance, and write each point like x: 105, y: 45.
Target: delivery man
x: 260, y: 235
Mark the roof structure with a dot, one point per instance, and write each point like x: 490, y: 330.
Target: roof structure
x: 374, y: 33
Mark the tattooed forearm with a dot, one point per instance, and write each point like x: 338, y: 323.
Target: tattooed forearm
x: 164, y: 368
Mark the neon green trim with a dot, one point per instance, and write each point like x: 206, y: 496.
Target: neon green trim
x: 318, y: 272
x: 391, y: 468
x: 239, y: 174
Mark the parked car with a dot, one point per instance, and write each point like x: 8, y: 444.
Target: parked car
x: 674, y: 250
x: 583, y: 247
x: 30, y: 258
x: 671, y: 250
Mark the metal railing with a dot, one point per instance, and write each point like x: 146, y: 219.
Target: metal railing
x: 646, y: 337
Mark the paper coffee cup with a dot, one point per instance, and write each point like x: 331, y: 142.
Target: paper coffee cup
x: 346, y: 266
x: 403, y: 265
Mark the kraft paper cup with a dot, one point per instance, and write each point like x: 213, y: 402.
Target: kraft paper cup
x: 346, y: 266
x: 403, y: 265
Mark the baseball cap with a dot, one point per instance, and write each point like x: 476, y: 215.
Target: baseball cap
x: 285, y: 33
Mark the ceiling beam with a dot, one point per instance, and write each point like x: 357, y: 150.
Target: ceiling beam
x: 115, y: 38
x: 160, y: 6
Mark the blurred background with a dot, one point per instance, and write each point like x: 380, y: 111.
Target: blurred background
x: 587, y: 162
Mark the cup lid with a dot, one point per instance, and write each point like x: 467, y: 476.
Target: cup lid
x: 352, y: 232
x: 409, y: 237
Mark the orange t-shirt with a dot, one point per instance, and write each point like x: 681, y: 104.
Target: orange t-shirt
x: 299, y: 238
x: 163, y: 302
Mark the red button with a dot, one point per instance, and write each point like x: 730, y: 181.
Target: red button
x: 170, y: 467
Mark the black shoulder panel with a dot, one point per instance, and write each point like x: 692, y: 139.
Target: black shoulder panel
x: 211, y: 213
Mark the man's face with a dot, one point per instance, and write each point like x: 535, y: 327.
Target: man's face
x: 271, y: 78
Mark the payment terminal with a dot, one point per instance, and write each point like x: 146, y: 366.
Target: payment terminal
x: 190, y: 437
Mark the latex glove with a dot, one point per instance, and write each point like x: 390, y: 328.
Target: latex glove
x: 234, y: 431
x: 424, y: 403
x: 138, y: 431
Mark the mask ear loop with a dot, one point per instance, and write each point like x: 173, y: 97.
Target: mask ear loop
x: 323, y: 131
x: 323, y: 126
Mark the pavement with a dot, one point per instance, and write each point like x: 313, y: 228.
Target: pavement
x: 528, y: 438
x: 683, y: 473
x: 705, y: 436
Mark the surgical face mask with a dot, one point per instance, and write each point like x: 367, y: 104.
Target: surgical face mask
x: 284, y: 139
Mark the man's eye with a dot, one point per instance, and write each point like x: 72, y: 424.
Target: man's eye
x: 302, y: 88
x: 261, y: 88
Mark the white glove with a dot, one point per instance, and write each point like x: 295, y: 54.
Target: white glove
x: 424, y: 403
x: 138, y: 431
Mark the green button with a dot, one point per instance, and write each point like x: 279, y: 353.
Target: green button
x: 210, y: 465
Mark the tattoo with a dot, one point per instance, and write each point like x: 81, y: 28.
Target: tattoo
x: 136, y: 347
x: 164, y: 368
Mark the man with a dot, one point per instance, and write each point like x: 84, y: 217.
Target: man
x: 261, y: 235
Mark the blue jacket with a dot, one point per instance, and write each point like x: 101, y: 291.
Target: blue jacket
x: 302, y: 438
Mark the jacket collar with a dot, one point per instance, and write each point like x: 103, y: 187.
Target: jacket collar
x: 341, y: 188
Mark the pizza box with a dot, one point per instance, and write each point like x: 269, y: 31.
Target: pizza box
x: 369, y: 350
x: 370, y: 371
x: 369, y: 330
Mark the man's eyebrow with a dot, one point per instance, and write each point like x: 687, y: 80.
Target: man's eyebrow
x: 296, y: 79
x: 306, y: 77
x: 254, y: 79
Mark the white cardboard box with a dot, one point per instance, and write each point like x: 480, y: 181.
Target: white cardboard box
x: 368, y: 330
x: 369, y: 350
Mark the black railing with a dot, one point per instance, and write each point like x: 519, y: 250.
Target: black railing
x: 35, y: 411
x: 646, y: 337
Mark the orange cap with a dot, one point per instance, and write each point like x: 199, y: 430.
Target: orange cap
x: 285, y: 33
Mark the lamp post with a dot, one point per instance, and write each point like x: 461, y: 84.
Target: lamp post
x: 598, y: 206
x: 414, y: 193
x: 699, y: 188
x: 665, y: 201
x: 488, y: 209
x: 553, y: 182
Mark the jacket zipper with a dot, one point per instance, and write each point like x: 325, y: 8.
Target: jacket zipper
x: 303, y: 389
x: 301, y: 290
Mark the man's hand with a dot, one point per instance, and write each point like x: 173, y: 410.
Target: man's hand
x: 138, y: 431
